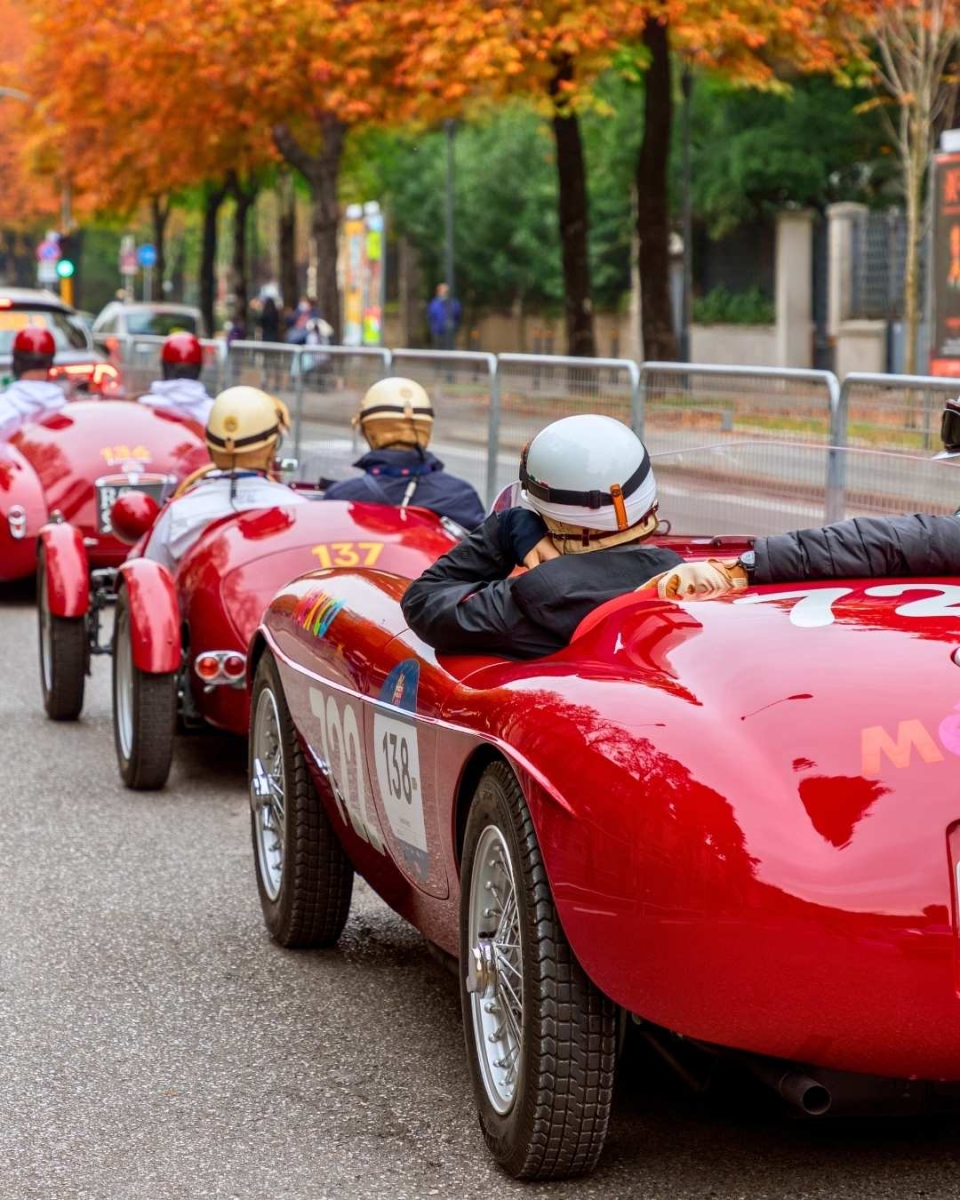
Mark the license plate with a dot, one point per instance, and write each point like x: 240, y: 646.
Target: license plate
x: 107, y: 493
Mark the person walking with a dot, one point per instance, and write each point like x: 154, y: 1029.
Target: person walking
x: 443, y: 317
x: 269, y: 318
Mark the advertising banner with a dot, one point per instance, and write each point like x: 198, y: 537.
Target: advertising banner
x: 945, y: 266
x: 354, y: 233
x: 373, y: 281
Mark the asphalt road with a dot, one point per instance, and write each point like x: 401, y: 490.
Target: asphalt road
x: 156, y: 1044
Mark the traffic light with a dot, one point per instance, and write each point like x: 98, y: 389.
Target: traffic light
x: 67, y: 265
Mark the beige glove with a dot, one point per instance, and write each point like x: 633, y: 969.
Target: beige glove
x: 699, y: 580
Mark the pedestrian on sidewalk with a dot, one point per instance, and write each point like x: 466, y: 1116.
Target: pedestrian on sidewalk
x: 443, y: 317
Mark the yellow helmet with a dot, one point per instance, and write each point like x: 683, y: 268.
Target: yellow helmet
x: 396, y: 412
x: 244, y: 428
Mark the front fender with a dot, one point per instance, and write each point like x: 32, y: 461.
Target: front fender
x: 23, y: 510
x: 154, y: 616
x: 66, y: 569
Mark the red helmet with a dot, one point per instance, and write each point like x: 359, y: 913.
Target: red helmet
x: 182, y: 349
x: 34, y: 340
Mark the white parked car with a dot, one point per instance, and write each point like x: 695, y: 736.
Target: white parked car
x: 137, y: 319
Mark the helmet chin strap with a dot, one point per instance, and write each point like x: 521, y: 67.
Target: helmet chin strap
x: 575, y: 539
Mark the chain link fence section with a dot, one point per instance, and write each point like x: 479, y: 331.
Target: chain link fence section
x: 893, y: 412
x: 463, y: 388
x: 536, y: 389
x: 686, y: 404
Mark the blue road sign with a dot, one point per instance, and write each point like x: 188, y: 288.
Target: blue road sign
x: 147, y: 255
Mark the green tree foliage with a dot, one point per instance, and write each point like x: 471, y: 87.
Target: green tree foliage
x: 755, y: 153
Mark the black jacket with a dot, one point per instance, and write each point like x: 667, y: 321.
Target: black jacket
x: 466, y: 604
x: 863, y: 548
x: 388, y: 474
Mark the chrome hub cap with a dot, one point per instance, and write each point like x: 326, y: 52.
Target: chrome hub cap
x: 267, y: 792
x: 123, y: 701
x: 494, y: 969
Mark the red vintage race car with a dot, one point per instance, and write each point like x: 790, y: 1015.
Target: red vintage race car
x: 75, y: 462
x: 736, y: 821
x: 180, y: 639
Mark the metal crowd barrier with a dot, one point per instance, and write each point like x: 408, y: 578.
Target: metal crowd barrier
x: 487, y: 407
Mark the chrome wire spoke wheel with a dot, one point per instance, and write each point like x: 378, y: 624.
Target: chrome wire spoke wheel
x: 268, y: 792
x: 495, y: 969
x: 123, y: 653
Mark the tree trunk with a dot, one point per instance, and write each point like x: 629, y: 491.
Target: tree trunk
x: 322, y: 172
x: 915, y: 169
x: 653, y: 214
x: 244, y: 197
x: 287, y: 237
x: 160, y: 212
x: 213, y: 198
x: 574, y: 220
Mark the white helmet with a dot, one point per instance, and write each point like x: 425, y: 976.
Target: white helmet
x: 590, y: 471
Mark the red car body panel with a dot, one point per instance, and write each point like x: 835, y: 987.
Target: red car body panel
x: 227, y: 578
x: 21, y: 495
x: 67, y: 570
x: 154, y: 616
x: 744, y: 805
x: 53, y: 464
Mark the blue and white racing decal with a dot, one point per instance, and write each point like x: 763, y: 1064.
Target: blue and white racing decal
x: 396, y: 752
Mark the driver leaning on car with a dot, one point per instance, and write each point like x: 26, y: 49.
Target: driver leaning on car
x: 592, y: 505
x: 243, y: 433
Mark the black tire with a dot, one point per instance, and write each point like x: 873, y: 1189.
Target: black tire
x: 145, y: 759
x: 63, y: 655
x: 312, y: 903
x: 560, y: 1109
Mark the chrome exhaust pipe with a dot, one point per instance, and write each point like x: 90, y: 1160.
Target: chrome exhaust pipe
x: 796, y: 1087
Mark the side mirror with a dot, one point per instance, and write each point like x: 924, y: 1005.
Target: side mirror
x: 131, y: 515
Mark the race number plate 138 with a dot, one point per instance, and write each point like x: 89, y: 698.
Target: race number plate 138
x: 398, y: 775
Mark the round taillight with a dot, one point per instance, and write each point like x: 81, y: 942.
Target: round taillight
x: 207, y: 666
x: 234, y: 666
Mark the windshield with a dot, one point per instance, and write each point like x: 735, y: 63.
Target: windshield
x: 66, y: 333
x: 772, y: 487
x: 761, y: 488
x: 160, y: 324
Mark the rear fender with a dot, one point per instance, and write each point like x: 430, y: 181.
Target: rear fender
x: 154, y: 616
x: 67, y: 570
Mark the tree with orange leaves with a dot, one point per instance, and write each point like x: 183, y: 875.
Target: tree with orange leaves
x: 554, y: 49
x: 468, y: 51
x: 141, y: 103
x: 917, y: 41
x: 21, y: 201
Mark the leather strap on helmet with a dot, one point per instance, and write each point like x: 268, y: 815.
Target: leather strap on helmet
x: 231, y: 444
x: 593, y: 499
x: 396, y: 408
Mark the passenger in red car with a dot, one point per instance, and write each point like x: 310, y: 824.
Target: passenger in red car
x: 244, y: 430
x: 592, y: 501
x: 180, y: 389
x: 31, y: 395
x: 396, y: 418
